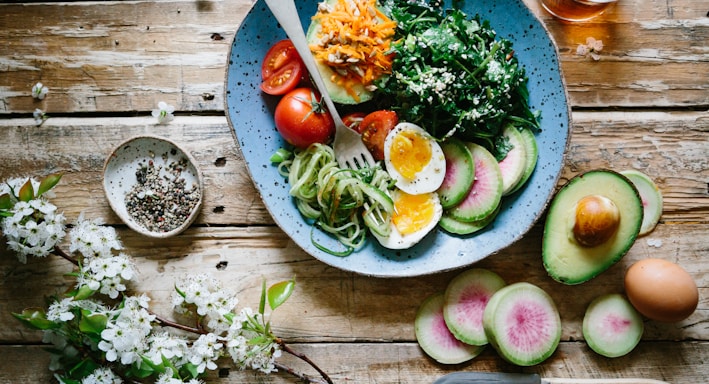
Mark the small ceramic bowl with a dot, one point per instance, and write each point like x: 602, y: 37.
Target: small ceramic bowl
x: 153, y: 186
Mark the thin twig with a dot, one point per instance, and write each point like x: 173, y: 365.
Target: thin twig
x: 305, y: 378
x: 65, y: 255
x: 169, y: 323
x: 305, y: 358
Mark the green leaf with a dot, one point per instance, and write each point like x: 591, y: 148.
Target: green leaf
x: 262, y: 303
x: 92, y: 323
x: 167, y: 363
x: 83, y: 293
x: 179, y: 292
x: 26, y: 191
x: 141, y: 372
x: 280, y: 292
x: 66, y: 380
x: 191, y: 370
x: 48, y: 183
x: 35, y: 318
x: 5, y: 201
x: 84, y: 368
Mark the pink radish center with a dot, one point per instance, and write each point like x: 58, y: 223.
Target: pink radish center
x: 526, y: 327
x: 473, y: 302
x: 616, y: 324
x: 443, y: 335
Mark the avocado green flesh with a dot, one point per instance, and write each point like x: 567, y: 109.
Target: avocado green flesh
x: 564, y: 258
x: 337, y: 93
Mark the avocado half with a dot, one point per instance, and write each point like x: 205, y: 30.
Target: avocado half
x: 573, y: 255
x: 337, y: 93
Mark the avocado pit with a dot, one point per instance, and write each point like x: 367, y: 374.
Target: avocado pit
x: 597, y: 219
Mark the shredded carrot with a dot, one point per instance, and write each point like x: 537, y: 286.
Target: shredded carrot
x: 354, y: 41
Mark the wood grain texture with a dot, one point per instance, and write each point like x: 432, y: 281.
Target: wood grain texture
x: 127, y: 56
x: 642, y: 106
x: 670, y: 147
x: 397, y: 363
x: 348, y: 306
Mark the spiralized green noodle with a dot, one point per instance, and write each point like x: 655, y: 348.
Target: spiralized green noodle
x: 342, y: 202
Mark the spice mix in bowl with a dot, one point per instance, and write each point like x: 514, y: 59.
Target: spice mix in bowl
x: 153, y: 186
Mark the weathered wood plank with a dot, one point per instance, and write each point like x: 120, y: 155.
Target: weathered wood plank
x: 126, y: 56
x: 395, y: 363
x: 670, y: 147
x: 350, y: 307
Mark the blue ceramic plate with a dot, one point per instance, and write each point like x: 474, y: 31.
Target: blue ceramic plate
x: 250, y: 114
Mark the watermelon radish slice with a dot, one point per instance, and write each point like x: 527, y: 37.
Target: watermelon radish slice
x: 651, y: 197
x: 465, y: 299
x: 513, y: 165
x: 458, y: 227
x: 522, y: 323
x: 612, y: 327
x: 434, y: 337
x: 460, y: 173
x: 532, y: 151
x: 486, y: 193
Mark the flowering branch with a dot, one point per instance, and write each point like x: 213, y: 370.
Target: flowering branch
x: 93, y: 342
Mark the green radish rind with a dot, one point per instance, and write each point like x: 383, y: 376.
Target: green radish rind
x: 612, y: 327
x: 532, y: 151
x: 530, y: 314
x: 569, y: 262
x: 486, y: 193
x: 514, y: 164
x: 435, y: 338
x: 465, y: 298
x: 651, y: 197
x: 460, y: 173
x: 451, y: 225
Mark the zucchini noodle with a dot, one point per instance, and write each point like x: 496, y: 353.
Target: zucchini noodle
x: 341, y: 202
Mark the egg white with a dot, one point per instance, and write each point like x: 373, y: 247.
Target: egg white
x: 397, y: 240
x: 430, y: 178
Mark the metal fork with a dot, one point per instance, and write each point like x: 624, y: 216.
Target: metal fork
x: 349, y: 149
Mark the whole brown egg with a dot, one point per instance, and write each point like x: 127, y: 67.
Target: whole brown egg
x: 661, y: 290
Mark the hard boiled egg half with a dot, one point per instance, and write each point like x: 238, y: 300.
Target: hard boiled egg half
x: 414, y: 159
x: 414, y: 216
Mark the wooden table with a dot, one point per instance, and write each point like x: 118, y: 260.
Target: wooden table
x: 642, y: 106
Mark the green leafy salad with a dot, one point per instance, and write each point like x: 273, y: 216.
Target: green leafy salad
x: 453, y: 76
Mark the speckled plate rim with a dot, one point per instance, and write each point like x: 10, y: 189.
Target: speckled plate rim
x: 249, y: 112
x: 116, y: 194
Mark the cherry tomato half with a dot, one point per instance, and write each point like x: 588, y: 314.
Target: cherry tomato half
x: 284, y: 80
x: 374, y: 128
x: 353, y: 120
x: 302, y: 120
x: 282, y: 69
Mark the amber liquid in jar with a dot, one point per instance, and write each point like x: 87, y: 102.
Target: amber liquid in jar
x: 576, y: 10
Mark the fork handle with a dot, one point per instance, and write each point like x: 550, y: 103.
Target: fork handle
x: 286, y: 14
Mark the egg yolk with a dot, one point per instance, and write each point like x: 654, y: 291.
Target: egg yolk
x: 412, y: 212
x: 409, y: 153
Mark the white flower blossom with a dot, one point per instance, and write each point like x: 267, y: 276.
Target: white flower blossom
x: 39, y: 91
x: 592, y: 48
x: 204, y: 352
x: 107, y: 274
x: 164, y: 344
x: 209, y: 298
x: 102, y: 375
x: 39, y: 116
x: 166, y: 378
x: 33, y: 229
x: 245, y: 354
x: 164, y: 112
x: 61, y: 310
x: 93, y: 239
x: 125, y: 337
